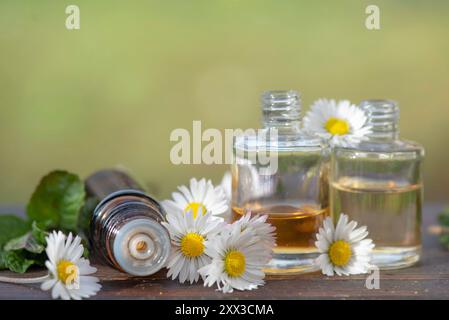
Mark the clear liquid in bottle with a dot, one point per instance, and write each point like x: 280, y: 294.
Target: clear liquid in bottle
x: 378, y: 183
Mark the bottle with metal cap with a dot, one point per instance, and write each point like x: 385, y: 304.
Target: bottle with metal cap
x: 125, y: 228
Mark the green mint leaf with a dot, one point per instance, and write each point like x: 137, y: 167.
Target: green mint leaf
x: 15, y: 261
x: 2, y: 260
x: 86, y: 214
x: 11, y: 227
x: 27, y: 242
x: 443, y: 217
x: 17, y: 243
x: 57, y: 201
x: 39, y: 234
x: 444, y: 240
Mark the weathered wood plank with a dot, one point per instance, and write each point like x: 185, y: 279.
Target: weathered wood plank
x: 427, y: 280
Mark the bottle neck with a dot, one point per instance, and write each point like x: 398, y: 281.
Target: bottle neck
x: 383, y: 117
x: 281, y: 110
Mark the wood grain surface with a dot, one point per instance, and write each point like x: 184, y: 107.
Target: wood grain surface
x: 429, y: 279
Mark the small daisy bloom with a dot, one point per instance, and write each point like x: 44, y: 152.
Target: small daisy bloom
x: 341, y: 122
x: 265, y: 231
x: 344, y: 249
x: 68, y: 271
x: 237, y: 260
x: 226, y: 185
x: 188, y: 236
x: 202, y: 197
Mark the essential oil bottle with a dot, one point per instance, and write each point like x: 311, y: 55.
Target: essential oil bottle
x: 378, y: 184
x: 295, y: 195
x: 125, y: 227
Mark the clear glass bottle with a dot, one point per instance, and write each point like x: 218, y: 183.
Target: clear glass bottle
x: 295, y: 196
x: 378, y: 184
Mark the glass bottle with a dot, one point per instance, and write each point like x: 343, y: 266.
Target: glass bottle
x: 378, y: 184
x: 295, y: 194
x: 125, y: 227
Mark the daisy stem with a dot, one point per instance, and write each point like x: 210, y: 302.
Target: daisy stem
x: 24, y: 280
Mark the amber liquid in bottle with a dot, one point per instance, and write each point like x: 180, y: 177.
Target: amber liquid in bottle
x: 295, y: 195
x: 296, y: 226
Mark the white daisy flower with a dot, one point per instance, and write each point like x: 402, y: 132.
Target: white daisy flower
x: 188, y: 236
x: 202, y: 197
x: 344, y: 249
x: 226, y: 185
x: 266, y: 232
x: 68, y: 271
x: 237, y: 260
x: 342, y: 123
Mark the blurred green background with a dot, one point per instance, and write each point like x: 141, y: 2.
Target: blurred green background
x: 110, y: 93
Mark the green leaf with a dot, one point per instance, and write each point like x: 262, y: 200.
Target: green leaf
x: 86, y: 214
x: 15, y: 261
x: 443, y: 217
x: 444, y: 240
x: 39, y: 234
x: 23, y: 242
x: 27, y: 242
x: 2, y: 260
x: 11, y: 227
x: 57, y: 201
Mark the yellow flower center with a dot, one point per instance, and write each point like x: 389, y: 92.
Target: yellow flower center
x: 67, y: 271
x: 340, y: 253
x: 192, y: 245
x: 337, y: 126
x: 195, y: 206
x: 235, y: 263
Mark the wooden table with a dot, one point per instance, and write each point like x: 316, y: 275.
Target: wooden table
x: 429, y: 279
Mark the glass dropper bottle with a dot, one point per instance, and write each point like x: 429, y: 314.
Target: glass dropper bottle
x: 125, y: 228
